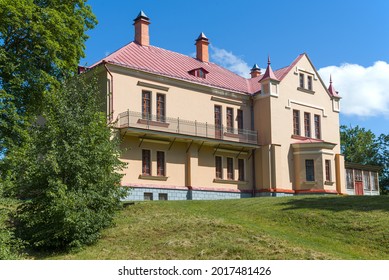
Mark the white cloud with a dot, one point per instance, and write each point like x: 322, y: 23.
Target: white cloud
x: 230, y: 61
x: 365, y: 90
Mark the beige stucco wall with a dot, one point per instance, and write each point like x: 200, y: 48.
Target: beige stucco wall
x: 274, y: 120
x: 276, y: 166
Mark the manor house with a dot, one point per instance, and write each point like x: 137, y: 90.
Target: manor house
x: 192, y: 129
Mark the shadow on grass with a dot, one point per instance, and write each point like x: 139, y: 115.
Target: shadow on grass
x: 336, y: 203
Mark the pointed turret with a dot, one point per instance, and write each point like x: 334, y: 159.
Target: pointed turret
x: 332, y: 90
x: 269, y: 74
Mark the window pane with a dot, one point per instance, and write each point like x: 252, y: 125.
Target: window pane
x: 160, y: 163
x: 241, y: 169
x: 328, y: 170
x: 148, y: 196
x: 309, y: 170
x: 146, y: 104
x: 230, y: 120
x: 349, y: 179
x: 309, y: 82
x: 296, y: 122
x: 317, y: 127
x: 218, y: 166
x: 307, y: 124
x: 301, y: 80
x: 240, y: 120
x: 162, y: 196
x: 366, y: 180
x: 146, y: 168
x: 230, y: 168
x: 160, y: 107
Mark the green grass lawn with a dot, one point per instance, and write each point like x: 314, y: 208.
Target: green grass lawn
x: 304, y: 227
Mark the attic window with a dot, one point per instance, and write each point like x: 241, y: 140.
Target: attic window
x: 200, y: 72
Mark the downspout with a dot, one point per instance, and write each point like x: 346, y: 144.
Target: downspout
x: 110, y: 100
x: 253, y: 155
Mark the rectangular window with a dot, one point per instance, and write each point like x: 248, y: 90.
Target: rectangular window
x: 309, y: 170
x: 161, y: 107
x: 328, y: 170
x: 296, y: 122
x: 349, y: 179
x: 240, y: 121
x: 218, y: 167
x: 374, y: 181
x: 241, y: 169
x: 301, y: 80
x: 309, y: 82
x: 146, y: 104
x: 148, y: 196
x: 366, y: 180
x: 160, y: 163
x: 230, y: 120
x: 307, y: 124
x: 162, y: 196
x: 218, y: 122
x: 358, y: 175
x: 230, y: 168
x: 317, y: 127
x: 146, y: 162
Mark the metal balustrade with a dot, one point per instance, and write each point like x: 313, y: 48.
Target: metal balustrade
x: 185, y: 127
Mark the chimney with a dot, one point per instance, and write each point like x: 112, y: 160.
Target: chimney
x: 202, y: 48
x: 255, y: 71
x: 141, y: 23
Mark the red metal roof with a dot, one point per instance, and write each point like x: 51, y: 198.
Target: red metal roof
x: 171, y: 64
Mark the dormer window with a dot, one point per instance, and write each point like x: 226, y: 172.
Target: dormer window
x: 200, y: 72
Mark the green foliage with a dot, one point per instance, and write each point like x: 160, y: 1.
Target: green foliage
x: 362, y: 146
x: 66, y: 171
x: 358, y: 145
x: 10, y: 246
x: 41, y: 43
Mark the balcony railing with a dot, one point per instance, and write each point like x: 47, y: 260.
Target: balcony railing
x: 185, y: 127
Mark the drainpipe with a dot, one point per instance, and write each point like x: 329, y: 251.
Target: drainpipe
x: 110, y: 100
x: 253, y: 155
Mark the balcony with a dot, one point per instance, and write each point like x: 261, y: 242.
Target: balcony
x: 183, y: 127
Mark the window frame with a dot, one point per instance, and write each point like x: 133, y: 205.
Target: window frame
x: 161, y: 163
x: 302, y: 80
x: 241, y: 169
x: 317, y: 121
x: 310, y: 170
x: 230, y: 119
x: 309, y: 82
x: 239, y: 118
x: 146, y: 162
x: 161, y: 109
x: 218, y: 167
x: 146, y: 104
x: 230, y: 168
x: 296, y: 122
x: 307, y: 124
x: 327, y: 164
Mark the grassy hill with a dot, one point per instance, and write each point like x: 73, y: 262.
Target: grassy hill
x: 305, y: 227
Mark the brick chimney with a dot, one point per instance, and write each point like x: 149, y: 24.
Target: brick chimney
x: 141, y: 23
x: 202, y: 48
x: 255, y: 71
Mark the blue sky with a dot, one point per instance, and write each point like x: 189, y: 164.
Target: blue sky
x: 348, y: 39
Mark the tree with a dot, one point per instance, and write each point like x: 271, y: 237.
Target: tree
x: 67, y: 171
x: 41, y: 43
x: 362, y: 146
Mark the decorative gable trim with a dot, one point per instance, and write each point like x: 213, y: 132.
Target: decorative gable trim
x: 290, y: 101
